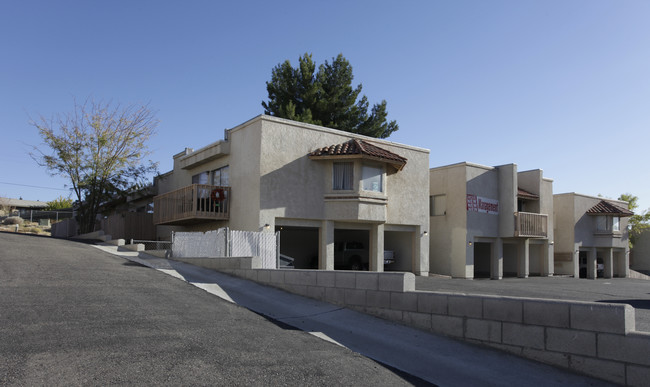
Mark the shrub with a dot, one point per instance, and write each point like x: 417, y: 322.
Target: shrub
x: 13, y: 220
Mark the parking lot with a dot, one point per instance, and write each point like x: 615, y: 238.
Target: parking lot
x: 634, y: 292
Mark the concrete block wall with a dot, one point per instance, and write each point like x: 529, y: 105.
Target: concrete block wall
x: 596, y: 339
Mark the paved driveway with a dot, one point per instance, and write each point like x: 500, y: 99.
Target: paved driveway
x: 634, y: 292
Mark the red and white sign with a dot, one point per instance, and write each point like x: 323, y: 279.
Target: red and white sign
x: 481, y: 204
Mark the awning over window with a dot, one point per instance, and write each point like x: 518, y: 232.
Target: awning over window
x: 356, y: 148
x: 523, y: 194
x: 607, y: 208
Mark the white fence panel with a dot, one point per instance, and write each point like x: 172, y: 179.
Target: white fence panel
x: 198, y: 244
x: 250, y: 243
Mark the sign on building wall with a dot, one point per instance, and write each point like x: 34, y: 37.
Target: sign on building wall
x: 481, y: 204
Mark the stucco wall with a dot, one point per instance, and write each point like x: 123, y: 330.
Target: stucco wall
x: 483, y: 182
x: 564, y: 222
x: 641, y: 252
x: 448, y: 232
x: 507, y: 199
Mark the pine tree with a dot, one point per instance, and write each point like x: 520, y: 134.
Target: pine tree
x: 325, y: 98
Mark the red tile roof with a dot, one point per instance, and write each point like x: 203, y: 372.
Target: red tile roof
x: 607, y: 208
x: 526, y: 195
x: 360, y: 148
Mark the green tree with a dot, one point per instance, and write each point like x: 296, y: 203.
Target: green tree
x: 637, y: 222
x: 100, y: 148
x: 325, y: 97
x: 59, y: 203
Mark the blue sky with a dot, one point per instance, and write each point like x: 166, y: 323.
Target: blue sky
x: 559, y: 85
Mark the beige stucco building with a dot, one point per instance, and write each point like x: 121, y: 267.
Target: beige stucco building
x: 591, y: 236
x: 490, y: 221
x: 318, y: 187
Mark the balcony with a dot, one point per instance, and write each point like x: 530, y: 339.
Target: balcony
x: 195, y: 203
x: 531, y: 225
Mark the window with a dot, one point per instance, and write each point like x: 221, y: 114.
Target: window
x: 342, y: 176
x: 371, y: 178
x: 201, y: 178
x: 437, y: 205
x: 221, y: 177
x: 608, y: 223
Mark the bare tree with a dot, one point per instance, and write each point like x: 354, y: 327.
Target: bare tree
x: 100, y: 148
x: 6, y: 208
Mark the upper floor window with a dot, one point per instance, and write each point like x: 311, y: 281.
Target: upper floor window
x: 437, y: 205
x: 342, y: 176
x: 372, y: 178
x: 200, y: 178
x: 221, y: 177
x: 608, y: 223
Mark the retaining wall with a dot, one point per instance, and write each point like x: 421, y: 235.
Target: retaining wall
x: 596, y: 339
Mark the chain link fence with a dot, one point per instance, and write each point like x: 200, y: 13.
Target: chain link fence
x: 153, y: 245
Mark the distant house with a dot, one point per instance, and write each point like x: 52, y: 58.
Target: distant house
x: 591, y: 236
x: 490, y: 221
x: 323, y: 189
x: 20, y: 207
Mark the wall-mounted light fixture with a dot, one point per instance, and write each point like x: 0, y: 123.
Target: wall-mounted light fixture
x: 425, y: 233
x: 469, y: 243
x: 267, y: 226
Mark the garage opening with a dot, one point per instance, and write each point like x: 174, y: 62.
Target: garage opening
x: 298, y: 247
x: 400, y: 243
x: 482, y: 257
x: 351, y: 249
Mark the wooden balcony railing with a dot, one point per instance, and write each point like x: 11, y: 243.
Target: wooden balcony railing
x: 191, y: 204
x: 531, y: 225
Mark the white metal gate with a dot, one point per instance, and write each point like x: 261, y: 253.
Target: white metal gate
x: 227, y: 243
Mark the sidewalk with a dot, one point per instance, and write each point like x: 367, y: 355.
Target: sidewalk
x: 435, y: 359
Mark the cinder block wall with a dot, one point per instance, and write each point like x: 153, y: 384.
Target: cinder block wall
x: 595, y: 339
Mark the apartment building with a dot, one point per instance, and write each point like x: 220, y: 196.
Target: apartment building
x: 323, y: 189
x: 490, y: 221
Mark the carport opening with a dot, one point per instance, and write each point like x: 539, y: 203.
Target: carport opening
x: 482, y: 257
x: 400, y: 243
x: 510, y: 260
x: 351, y: 249
x: 536, y: 259
x: 298, y: 247
x: 582, y: 259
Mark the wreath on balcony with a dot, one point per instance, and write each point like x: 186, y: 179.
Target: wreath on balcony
x: 217, y: 194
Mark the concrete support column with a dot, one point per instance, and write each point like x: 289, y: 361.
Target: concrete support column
x: 576, y: 261
x: 591, y: 264
x: 420, y: 252
x: 608, y: 261
x: 496, y: 260
x: 524, y: 259
x: 376, y: 250
x: 326, y: 245
x: 547, y: 259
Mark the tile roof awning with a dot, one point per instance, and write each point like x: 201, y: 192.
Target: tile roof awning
x: 606, y: 208
x: 523, y: 194
x: 356, y: 148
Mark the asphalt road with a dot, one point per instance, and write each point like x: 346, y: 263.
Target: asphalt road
x: 74, y: 315
x: 635, y: 292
